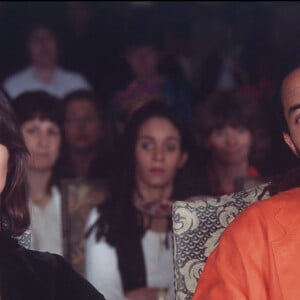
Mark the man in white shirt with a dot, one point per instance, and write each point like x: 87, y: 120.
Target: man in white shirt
x: 43, y: 72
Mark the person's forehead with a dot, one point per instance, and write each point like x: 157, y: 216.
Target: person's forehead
x: 81, y: 104
x: 291, y: 87
x: 41, y: 31
x: 140, y: 48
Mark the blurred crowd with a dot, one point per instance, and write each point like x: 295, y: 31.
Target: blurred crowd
x: 147, y: 121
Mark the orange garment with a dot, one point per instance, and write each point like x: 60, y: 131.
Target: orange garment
x: 258, y: 257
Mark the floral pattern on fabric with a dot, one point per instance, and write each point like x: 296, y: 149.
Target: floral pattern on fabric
x: 198, y: 224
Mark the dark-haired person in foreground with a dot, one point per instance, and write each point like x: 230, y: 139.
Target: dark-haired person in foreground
x: 27, y: 274
x: 258, y: 254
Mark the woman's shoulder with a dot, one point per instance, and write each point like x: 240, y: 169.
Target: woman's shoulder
x: 57, y: 273
x: 40, y: 275
x: 42, y: 262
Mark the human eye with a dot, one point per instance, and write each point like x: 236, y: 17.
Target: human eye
x: 218, y: 132
x: 171, y: 147
x: 297, y: 119
x: 53, y: 132
x: 71, y: 121
x: 91, y: 118
x: 145, y: 145
x: 31, y: 130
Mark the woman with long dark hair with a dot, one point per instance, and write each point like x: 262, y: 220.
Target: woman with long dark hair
x: 129, y: 252
x: 27, y: 274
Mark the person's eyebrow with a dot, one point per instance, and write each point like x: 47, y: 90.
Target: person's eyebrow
x: 293, y: 108
x: 172, y: 138
x: 145, y: 137
x: 152, y: 138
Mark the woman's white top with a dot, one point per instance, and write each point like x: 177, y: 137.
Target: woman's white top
x: 102, y: 263
x: 46, y: 224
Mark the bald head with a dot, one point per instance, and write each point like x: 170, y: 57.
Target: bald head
x: 290, y: 99
x: 290, y: 93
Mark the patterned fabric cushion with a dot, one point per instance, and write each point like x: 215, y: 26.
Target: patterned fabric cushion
x: 198, y: 224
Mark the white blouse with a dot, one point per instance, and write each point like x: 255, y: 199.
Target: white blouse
x: 63, y: 83
x: 46, y: 225
x: 102, y: 263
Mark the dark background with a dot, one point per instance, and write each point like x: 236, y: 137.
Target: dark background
x: 206, y: 22
x: 269, y: 26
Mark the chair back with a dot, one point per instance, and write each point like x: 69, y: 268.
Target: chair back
x: 198, y: 224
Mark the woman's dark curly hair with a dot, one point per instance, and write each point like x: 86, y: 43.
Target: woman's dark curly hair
x: 230, y: 108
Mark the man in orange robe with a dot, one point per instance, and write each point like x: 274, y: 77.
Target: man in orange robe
x: 258, y: 257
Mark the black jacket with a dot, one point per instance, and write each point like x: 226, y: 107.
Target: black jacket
x: 27, y: 274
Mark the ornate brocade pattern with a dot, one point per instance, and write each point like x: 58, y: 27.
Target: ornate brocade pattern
x: 198, y: 224
x: 25, y: 239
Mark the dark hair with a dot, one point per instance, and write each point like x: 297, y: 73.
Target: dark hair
x: 34, y: 23
x: 40, y: 105
x: 230, y: 108
x: 14, y: 208
x: 135, y: 37
x: 102, y: 111
x: 84, y: 95
x: 139, y: 36
x: 37, y: 104
x: 119, y: 218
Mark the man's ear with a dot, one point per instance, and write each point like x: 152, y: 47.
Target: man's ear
x: 290, y: 143
x: 183, y: 159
